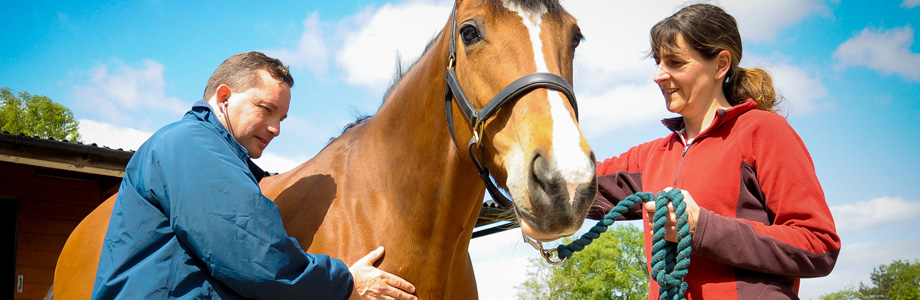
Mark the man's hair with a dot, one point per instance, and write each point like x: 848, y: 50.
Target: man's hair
x: 240, y: 73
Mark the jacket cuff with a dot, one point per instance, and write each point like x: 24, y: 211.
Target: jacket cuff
x: 696, y: 240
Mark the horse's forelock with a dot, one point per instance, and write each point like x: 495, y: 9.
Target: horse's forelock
x: 552, y: 6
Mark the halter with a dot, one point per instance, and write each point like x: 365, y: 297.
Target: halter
x: 477, y: 119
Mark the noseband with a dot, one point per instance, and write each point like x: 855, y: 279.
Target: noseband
x: 478, y: 118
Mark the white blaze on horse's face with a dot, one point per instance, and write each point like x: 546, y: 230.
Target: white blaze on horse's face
x: 567, y: 157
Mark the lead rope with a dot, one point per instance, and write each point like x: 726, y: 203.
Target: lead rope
x: 669, y: 260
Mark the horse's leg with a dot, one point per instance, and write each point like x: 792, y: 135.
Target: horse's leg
x: 75, y: 272
x: 462, y: 282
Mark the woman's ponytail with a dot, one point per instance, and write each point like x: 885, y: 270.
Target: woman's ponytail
x: 754, y: 84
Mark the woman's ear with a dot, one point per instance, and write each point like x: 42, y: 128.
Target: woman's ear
x: 724, y: 63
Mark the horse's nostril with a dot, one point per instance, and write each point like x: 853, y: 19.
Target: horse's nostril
x: 547, y: 178
x: 541, y: 170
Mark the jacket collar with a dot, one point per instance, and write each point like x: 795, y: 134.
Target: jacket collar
x: 201, y: 111
x: 722, y: 116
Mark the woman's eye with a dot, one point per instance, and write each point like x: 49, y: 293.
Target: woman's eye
x: 469, y: 34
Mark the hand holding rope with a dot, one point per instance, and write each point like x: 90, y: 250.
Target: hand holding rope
x: 670, y: 261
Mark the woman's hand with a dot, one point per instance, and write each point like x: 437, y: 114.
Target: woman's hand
x: 693, y: 213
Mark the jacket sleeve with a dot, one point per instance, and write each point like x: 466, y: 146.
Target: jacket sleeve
x: 618, y: 177
x: 219, y: 214
x: 802, y: 239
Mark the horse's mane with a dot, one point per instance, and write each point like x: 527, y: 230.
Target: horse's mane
x: 552, y: 7
x: 397, y: 78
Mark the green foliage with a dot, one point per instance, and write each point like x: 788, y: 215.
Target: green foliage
x: 899, y: 280
x: 35, y: 115
x: 612, y: 267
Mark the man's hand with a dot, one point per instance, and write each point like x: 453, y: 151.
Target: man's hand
x: 373, y: 283
x: 693, y: 213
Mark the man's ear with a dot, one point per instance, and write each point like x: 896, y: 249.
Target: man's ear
x: 222, y: 95
x: 724, y: 60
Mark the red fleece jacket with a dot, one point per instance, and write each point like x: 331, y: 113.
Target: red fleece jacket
x: 763, y: 221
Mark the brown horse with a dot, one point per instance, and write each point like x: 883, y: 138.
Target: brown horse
x: 400, y: 179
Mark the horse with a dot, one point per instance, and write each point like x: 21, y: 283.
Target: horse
x: 400, y: 178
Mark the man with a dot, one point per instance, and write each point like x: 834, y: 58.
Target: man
x: 190, y: 221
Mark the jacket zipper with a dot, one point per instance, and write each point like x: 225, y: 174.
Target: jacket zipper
x: 682, y: 157
x: 717, y: 122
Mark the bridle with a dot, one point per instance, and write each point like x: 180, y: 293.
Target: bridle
x: 478, y: 118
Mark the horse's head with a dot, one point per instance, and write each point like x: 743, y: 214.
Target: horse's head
x: 532, y: 143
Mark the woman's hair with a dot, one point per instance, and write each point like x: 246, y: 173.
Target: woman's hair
x: 240, y: 72
x: 710, y: 30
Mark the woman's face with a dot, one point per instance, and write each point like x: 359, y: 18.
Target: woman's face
x: 688, y: 81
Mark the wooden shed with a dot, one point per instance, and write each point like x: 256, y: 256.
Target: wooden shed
x: 46, y: 188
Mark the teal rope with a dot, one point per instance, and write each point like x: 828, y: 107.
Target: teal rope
x: 669, y: 260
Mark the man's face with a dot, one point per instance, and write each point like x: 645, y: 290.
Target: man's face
x: 255, y: 114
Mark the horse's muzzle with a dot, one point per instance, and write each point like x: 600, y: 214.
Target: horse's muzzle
x: 556, y: 211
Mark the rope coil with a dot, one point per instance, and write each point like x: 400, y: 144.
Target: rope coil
x: 670, y: 261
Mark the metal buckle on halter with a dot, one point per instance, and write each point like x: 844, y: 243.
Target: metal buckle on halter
x: 450, y: 62
x: 477, y: 132
x: 547, y: 254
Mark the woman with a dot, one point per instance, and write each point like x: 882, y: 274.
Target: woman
x: 758, y: 217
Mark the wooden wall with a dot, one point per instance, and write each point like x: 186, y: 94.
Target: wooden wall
x: 48, y: 205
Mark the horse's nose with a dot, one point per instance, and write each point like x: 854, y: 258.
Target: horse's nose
x: 560, y: 204
x: 550, y: 180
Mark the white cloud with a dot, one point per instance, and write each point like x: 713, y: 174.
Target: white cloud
x: 112, y: 136
x: 113, y: 92
x: 801, y: 90
x: 762, y: 21
x: 500, y: 263
x: 620, y: 106
x: 800, y: 87
x: 874, y: 213
x: 616, y: 42
x: 368, y: 55
x: 855, y: 263
x: 276, y: 163
x: 886, y: 51
x: 311, y: 52
x: 910, y: 3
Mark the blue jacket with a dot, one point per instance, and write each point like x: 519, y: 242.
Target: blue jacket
x: 190, y: 222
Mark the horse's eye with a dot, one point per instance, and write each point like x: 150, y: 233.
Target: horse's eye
x: 576, y: 39
x: 469, y: 34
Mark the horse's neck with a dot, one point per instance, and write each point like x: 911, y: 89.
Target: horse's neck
x: 412, y: 128
x: 396, y: 180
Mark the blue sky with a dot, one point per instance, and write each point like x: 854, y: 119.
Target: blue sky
x: 849, y: 71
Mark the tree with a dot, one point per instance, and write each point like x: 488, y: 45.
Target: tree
x: 612, y: 267
x: 36, y: 115
x: 899, y: 280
